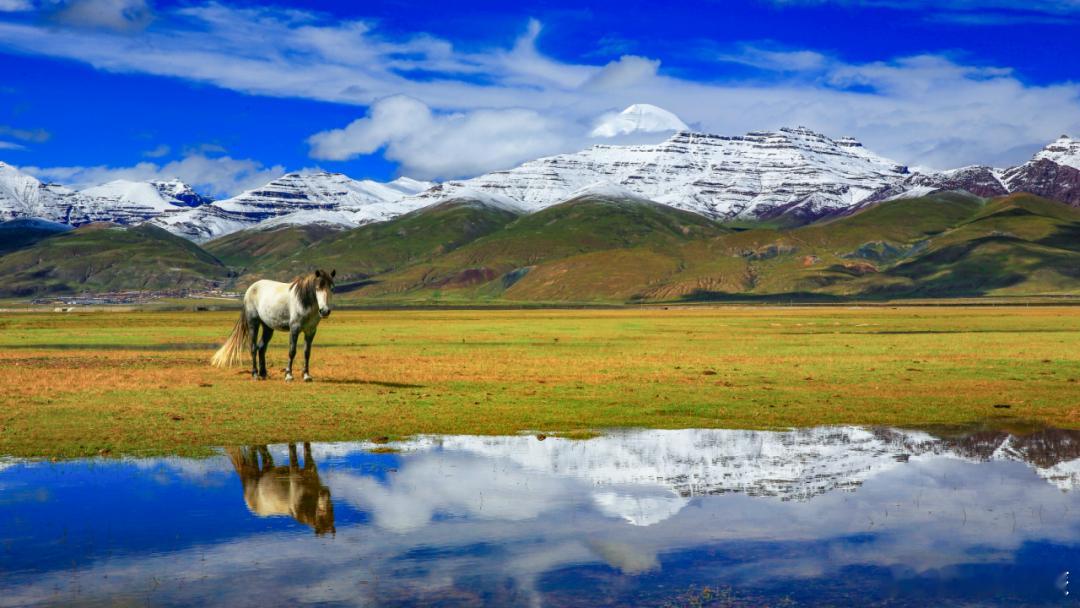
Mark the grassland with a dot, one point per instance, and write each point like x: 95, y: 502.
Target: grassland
x: 125, y: 383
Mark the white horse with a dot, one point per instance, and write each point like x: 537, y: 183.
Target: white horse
x: 277, y: 490
x: 296, y: 307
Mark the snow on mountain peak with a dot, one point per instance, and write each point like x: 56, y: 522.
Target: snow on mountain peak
x: 606, y: 189
x: 717, y: 176
x: 489, y: 199
x: 638, y: 118
x: 126, y: 191
x: 318, y: 197
x: 1064, y: 150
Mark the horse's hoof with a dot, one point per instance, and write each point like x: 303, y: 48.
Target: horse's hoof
x: 308, y: 378
x: 288, y: 378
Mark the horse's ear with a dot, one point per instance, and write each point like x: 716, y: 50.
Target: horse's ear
x: 318, y: 273
x: 333, y: 273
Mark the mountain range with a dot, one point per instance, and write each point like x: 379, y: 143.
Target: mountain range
x: 697, y: 216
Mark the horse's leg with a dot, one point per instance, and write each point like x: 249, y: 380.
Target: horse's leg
x: 294, y: 334
x: 253, y: 329
x: 267, y: 459
x: 309, y: 337
x: 267, y: 333
x: 309, y: 462
x: 294, y: 460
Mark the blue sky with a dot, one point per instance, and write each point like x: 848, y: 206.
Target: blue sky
x: 228, y: 95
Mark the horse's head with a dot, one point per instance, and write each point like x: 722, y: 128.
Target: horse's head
x: 324, y: 290
x: 324, y: 513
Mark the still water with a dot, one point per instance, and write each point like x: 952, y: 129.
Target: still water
x: 827, y: 516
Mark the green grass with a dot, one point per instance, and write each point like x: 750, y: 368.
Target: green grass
x: 120, y: 383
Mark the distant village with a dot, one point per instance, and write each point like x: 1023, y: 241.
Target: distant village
x: 132, y: 297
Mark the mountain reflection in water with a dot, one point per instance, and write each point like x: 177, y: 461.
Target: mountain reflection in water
x: 834, y: 515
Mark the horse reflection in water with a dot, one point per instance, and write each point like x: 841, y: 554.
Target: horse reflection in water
x: 278, y: 490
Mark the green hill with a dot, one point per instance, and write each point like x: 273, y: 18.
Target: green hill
x: 944, y: 245
x: 106, y: 257
x: 383, y: 247
x: 495, y: 263
x: 593, y: 249
x: 258, y: 248
x: 16, y: 234
x: 601, y: 250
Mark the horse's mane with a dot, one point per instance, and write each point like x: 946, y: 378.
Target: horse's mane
x: 305, y: 286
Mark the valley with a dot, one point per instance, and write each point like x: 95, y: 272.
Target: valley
x: 790, y: 215
x: 140, y: 382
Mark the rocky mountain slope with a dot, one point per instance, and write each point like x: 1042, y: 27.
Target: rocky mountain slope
x: 1054, y: 172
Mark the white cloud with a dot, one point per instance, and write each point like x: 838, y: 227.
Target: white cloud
x: 220, y: 176
x: 628, y: 71
x: 777, y: 60
x: 430, y: 145
x: 32, y: 135
x: 8, y: 145
x: 118, y: 15
x: 925, y: 110
x: 1033, y: 6
x: 157, y: 152
x: 14, y: 6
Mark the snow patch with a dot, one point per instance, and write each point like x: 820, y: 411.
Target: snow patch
x: 1064, y: 151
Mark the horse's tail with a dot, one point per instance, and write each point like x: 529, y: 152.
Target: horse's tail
x: 230, y: 353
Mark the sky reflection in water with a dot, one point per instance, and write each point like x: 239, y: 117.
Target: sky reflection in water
x: 835, y: 516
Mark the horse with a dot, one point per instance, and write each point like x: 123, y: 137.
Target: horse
x: 276, y: 490
x: 297, y: 307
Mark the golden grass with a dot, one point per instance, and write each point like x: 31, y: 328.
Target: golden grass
x: 140, y: 382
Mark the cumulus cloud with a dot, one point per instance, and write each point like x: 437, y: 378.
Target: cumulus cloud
x: 628, y: 71
x: 485, y: 109
x: 429, y: 145
x: 219, y: 176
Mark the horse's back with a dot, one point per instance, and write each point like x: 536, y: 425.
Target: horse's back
x: 264, y: 287
x: 270, y: 299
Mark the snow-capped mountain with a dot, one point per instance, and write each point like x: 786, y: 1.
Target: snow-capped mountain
x: 978, y: 180
x: 300, y: 198
x: 121, y: 201
x: 22, y: 195
x: 757, y: 175
x: 793, y: 172
x: 163, y: 195
x: 638, y: 118
x: 798, y: 464
x: 1054, y: 172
